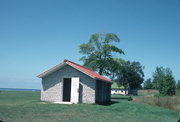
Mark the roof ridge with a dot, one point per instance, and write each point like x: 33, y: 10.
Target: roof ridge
x: 81, y: 68
x: 65, y: 60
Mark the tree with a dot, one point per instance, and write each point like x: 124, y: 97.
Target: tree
x: 98, y: 52
x: 178, y: 85
x: 164, y: 81
x: 158, y: 76
x: 129, y: 74
x: 148, y: 84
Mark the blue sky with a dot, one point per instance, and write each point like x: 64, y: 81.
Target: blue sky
x: 37, y: 34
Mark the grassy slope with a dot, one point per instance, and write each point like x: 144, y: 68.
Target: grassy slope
x: 25, y: 106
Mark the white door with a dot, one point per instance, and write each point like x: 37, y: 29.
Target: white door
x: 75, y: 89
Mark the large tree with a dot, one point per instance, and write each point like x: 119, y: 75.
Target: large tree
x: 164, y: 81
x: 128, y: 74
x: 98, y: 52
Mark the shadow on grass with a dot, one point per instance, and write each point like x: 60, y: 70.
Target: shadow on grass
x: 120, y: 98
x: 108, y: 103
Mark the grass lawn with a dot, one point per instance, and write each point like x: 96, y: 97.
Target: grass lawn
x: 25, y: 106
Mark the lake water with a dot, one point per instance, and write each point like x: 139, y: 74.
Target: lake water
x: 18, y: 89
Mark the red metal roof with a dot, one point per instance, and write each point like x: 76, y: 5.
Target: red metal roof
x: 76, y: 66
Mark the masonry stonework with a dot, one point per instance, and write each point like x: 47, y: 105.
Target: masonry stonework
x: 52, y: 85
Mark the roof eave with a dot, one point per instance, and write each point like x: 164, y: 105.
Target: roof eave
x: 104, y: 80
x: 51, y: 70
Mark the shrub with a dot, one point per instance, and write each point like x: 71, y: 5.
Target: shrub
x: 130, y: 98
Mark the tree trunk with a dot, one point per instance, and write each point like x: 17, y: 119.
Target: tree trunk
x: 100, y: 71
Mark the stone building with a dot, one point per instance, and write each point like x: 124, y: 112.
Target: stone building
x: 73, y: 83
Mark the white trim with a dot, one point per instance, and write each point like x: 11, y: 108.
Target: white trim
x: 42, y: 75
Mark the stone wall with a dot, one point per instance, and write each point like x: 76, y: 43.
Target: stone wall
x: 52, y: 85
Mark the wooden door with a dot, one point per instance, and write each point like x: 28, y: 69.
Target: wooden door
x: 75, y: 89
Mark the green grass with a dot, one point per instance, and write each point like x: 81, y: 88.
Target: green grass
x: 26, y: 107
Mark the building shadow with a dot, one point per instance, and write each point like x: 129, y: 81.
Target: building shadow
x: 120, y: 98
x: 108, y: 103
x: 115, y: 100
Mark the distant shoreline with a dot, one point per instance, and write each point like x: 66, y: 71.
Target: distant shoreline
x: 18, y: 89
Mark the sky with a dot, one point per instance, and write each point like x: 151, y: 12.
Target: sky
x: 38, y: 34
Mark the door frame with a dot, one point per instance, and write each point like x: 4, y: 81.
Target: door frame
x: 77, y: 101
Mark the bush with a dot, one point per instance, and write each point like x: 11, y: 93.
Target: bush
x: 130, y: 98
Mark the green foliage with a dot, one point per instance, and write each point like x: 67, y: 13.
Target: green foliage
x: 178, y: 85
x: 128, y: 74
x: 163, y: 80
x: 148, y: 84
x: 98, y: 56
x: 98, y: 52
